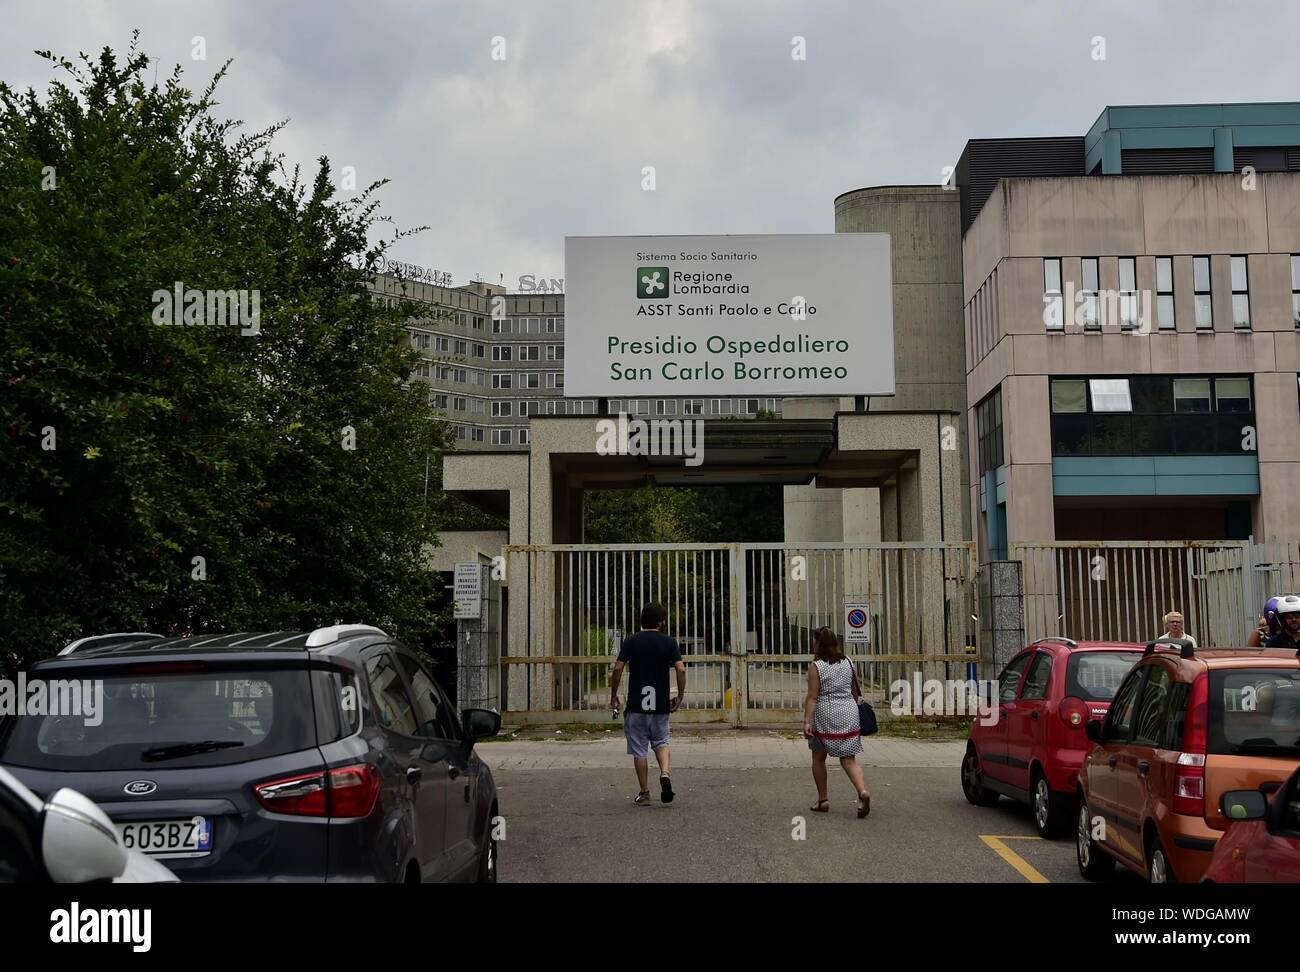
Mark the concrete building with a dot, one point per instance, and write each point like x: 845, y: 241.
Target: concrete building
x: 1131, y: 329
x: 494, y: 360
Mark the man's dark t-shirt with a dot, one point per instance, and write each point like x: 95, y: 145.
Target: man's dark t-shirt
x: 650, y: 656
x: 1281, y: 640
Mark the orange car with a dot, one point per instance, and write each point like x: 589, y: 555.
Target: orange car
x: 1185, y: 727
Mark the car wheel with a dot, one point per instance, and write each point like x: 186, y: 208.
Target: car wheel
x: 1094, y: 863
x: 972, y: 781
x: 1158, y: 869
x: 1049, y: 808
x: 487, y: 859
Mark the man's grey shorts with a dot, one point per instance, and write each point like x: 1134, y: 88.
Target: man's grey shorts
x: 645, y: 728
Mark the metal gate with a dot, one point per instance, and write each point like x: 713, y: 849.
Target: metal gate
x: 1121, y: 590
x: 743, y: 614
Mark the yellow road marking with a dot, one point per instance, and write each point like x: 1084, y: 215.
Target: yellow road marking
x: 1022, y: 866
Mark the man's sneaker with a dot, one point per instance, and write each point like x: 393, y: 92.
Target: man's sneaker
x: 642, y: 799
x: 666, y: 789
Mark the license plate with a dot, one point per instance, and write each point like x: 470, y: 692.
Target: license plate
x: 168, y: 838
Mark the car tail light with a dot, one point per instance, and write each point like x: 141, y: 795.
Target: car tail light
x: 1074, y: 713
x: 1189, y: 773
x: 348, y: 791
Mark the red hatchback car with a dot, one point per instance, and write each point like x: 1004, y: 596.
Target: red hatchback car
x: 1033, y: 753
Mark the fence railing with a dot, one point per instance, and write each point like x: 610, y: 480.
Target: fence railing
x: 1121, y: 590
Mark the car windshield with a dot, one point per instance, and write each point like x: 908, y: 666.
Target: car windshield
x: 168, y: 720
x: 1095, y: 675
x: 1255, y: 712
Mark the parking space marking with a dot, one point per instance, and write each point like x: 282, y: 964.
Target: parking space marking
x: 1022, y: 866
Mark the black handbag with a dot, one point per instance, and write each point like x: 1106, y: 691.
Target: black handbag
x: 866, y: 714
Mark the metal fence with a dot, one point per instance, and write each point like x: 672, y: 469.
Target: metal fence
x: 1121, y: 590
x: 743, y: 614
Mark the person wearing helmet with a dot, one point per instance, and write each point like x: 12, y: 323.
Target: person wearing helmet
x: 1288, y: 617
x: 1268, y: 623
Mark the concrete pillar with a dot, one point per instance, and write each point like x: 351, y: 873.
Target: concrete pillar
x: 889, y: 520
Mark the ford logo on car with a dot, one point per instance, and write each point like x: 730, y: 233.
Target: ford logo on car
x: 140, y: 787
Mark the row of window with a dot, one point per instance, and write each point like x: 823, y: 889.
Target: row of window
x: 695, y: 406
x: 1152, y: 415
x: 508, y: 408
x: 500, y: 380
x: 1126, y: 309
x: 528, y: 325
x: 473, y: 433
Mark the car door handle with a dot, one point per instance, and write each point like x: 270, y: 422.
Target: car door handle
x: 1112, y: 761
x: 453, y: 771
x: 413, y: 774
x: 1035, y: 715
x: 1143, y: 766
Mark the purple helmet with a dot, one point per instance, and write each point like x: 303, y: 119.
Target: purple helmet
x: 1270, y: 613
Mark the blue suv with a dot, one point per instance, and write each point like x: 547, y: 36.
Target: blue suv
x: 324, y: 756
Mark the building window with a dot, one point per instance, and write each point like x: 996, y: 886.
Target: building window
x: 440, y: 401
x: 554, y: 379
x: 1232, y: 395
x: 476, y: 435
x: 502, y: 353
x: 458, y: 404
x: 1240, y: 293
x: 460, y: 432
x: 693, y: 406
x: 638, y: 407
x: 502, y: 409
x: 1295, y: 289
x: 555, y: 325
x: 665, y: 406
x: 502, y: 381
x: 525, y: 436
x: 502, y: 436
x: 480, y: 351
x: 476, y: 406
x: 1191, y: 394
x: 1091, y: 299
x: 530, y: 352
x: 1110, y: 395
x: 462, y: 347
x: 1204, y: 295
x: 1053, y: 302
x: 988, y: 424
x: 722, y: 406
x: 530, y: 379
x: 555, y: 352
x: 556, y: 406
x: 1165, y: 292
x: 1128, y: 293
x: 443, y: 345
x: 502, y: 325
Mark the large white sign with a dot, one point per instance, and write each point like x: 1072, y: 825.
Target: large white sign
x: 728, y: 315
x: 468, y: 590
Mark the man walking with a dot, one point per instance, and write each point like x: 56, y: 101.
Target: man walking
x: 651, y: 653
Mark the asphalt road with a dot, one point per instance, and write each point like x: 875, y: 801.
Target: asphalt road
x: 735, y: 824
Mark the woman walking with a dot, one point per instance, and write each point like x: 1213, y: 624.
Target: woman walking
x: 830, y: 718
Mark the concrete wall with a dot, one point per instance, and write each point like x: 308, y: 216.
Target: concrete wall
x: 1107, y: 217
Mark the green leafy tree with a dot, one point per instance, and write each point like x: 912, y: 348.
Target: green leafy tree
x: 185, y: 478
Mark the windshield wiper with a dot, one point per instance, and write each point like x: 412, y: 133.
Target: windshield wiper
x: 187, y: 749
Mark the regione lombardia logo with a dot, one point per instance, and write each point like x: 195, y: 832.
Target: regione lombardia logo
x: 651, y: 282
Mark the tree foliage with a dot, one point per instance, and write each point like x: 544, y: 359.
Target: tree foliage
x: 129, y: 448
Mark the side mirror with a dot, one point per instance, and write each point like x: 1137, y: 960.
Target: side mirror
x: 480, y: 724
x: 1092, y: 729
x: 1244, y: 805
x: 78, y: 841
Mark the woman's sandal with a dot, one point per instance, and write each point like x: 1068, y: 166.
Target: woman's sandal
x: 821, y: 806
x: 864, y: 805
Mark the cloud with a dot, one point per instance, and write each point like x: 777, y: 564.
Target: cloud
x: 502, y: 159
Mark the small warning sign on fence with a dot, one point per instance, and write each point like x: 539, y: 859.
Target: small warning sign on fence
x: 857, y: 622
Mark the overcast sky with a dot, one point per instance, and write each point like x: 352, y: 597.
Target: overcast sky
x: 503, y: 158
